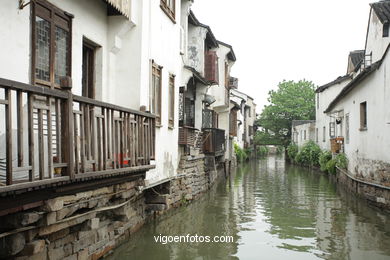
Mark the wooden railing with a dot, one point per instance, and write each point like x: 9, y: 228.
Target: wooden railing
x: 213, y: 141
x: 188, y: 136
x: 53, y: 136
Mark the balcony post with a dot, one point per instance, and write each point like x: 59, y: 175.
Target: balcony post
x: 67, y: 124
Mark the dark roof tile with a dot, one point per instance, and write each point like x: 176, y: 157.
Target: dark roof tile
x: 382, y: 10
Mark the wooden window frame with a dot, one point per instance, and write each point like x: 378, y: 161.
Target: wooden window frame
x: 91, y: 70
x: 169, y: 11
x: 171, y: 100
x: 363, y: 116
x: 332, y: 129
x: 347, y: 128
x: 54, y: 17
x: 156, y: 73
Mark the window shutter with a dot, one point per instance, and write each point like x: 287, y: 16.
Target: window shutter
x: 211, y: 66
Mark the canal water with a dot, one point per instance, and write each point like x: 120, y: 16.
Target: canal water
x: 273, y: 211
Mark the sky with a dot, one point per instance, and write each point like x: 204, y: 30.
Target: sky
x: 286, y: 39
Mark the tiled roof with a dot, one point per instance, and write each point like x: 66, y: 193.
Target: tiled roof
x: 210, y: 35
x: 382, y: 10
x: 355, y: 82
x: 356, y: 57
x: 231, y: 55
x: 332, y: 83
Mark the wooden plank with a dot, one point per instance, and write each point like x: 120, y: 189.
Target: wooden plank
x: 33, y: 184
x: 22, y: 169
x: 31, y: 136
x: 32, y: 89
x: 67, y: 135
x: 76, y: 145
x: 8, y: 136
x: 19, y: 111
x: 109, y: 156
x: 58, y: 130
x: 93, y: 136
x: 113, y: 138
x: 121, y: 145
x: 94, y: 102
x: 82, y: 138
x: 50, y: 139
x: 104, y: 126
x: 87, y: 125
x: 41, y: 154
x: 99, y: 143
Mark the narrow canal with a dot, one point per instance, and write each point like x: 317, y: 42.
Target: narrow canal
x: 273, y: 211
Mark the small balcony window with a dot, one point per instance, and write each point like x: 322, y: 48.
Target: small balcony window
x: 363, y: 116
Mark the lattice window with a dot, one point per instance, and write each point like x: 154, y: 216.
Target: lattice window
x: 51, y: 42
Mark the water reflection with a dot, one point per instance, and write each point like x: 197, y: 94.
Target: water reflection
x: 273, y: 211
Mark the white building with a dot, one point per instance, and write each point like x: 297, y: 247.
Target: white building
x: 303, y: 131
x: 361, y: 109
x: 245, y: 108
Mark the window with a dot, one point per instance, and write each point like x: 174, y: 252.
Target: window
x: 168, y: 7
x: 155, y: 93
x: 316, y: 135
x: 51, y: 29
x: 249, y: 112
x: 304, y: 135
x: 347, y: 128
x: 385, y: 32
x: 332, y: 129
x: 88, y: 84
x: 363, y: 116
x: 323, y: 134
x: 171, y: 105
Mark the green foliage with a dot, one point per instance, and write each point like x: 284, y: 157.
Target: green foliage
x: 291, y: 101
x: 240, y: 153
x: 342, y: 161
x: 309, y: 154
x: 262, y: 151
x: 331, y: 166
x: 279, y: 149
x: 292, y: 151
x: 325, y: 157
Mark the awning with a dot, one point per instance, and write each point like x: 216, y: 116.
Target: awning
x: 122, y: 6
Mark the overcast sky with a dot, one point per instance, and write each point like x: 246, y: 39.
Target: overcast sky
x: 285, y: 39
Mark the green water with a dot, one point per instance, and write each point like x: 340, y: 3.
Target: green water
x: 272, y: 211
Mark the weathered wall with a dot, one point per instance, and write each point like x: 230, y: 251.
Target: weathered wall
x: 83, y: 225
x: 368, y: 149
x: 378, y: 195
x: 376, y: 44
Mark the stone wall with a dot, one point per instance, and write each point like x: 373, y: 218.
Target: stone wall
x: 377, y: 194
x: 88, y: 225
x: 85, y: 225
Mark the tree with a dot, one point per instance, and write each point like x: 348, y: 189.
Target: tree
x: 291, y: 101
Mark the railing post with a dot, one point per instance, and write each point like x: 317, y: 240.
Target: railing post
x: 67, y: 124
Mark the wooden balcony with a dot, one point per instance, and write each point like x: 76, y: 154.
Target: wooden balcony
x: 189, y: 136
x: 52, y: 137
x: 213, y: 141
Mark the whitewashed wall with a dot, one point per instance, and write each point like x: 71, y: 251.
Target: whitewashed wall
x: 375, y: 43
x: 323, y: 99
x: 368, y: 150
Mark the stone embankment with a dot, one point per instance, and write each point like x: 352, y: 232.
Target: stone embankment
x: 89, y: 224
